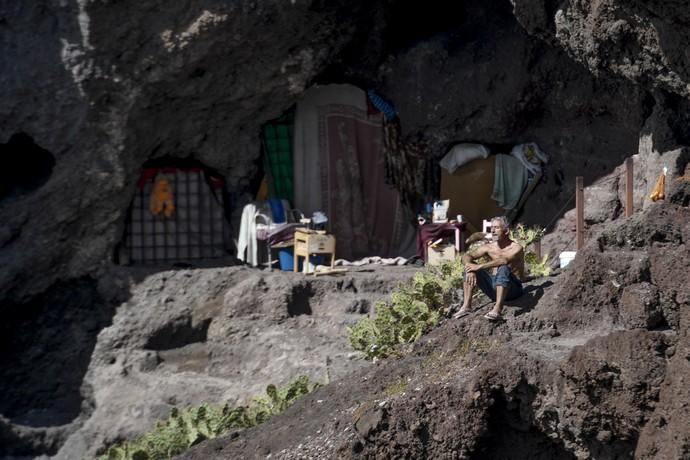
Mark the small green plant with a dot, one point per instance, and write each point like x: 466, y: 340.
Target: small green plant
x: 412, y: 310
x: 537, y: 267
x: 525, y: 236
x: 185, y: 428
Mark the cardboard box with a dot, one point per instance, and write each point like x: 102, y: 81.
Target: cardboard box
x: 440, y: 253
x: 469, y: 190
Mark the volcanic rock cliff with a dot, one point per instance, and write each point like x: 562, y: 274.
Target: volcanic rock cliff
x: 91, y: 90
x: 100, y: 87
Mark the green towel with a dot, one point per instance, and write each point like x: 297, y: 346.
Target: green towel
x: 277, y: 140
x: 509, y: 181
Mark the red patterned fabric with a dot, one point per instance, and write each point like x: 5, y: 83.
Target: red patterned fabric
x: 360, y: 206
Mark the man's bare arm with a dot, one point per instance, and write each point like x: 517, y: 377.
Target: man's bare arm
x: 507, y: 258
x: 469, y: 256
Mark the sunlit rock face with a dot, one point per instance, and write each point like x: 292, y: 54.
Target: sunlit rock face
x: 644, y: 41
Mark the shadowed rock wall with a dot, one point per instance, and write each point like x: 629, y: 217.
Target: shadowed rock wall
x: 106, y: 86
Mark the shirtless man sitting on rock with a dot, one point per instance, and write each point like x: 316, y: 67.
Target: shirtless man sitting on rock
x: 499, y: 278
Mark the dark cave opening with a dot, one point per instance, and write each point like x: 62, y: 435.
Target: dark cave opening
x: 511, y: 433
x: 45, y: 350
x: 409, y: 24
x: 24, y: 165
x: 494, y: 148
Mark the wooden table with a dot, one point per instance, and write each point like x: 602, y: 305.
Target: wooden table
x: 309, y: 242
x: 431, y: 232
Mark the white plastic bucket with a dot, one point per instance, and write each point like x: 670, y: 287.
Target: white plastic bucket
x: 566, y: 257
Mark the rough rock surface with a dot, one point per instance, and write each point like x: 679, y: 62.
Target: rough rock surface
x: 487, y: 80
x: 91, y: 90
x: 183, y: 337
x: 574, y: 372
x: 110, y: 85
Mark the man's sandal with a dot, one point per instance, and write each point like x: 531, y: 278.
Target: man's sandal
x: 491, y: 316
x: 462, y: 313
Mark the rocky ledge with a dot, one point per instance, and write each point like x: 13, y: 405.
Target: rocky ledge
x: 593, y: 363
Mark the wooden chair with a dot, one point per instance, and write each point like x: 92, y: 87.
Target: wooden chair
x: 486, y: 228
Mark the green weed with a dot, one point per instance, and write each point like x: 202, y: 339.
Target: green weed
x: 525, y: 236
x: 186, y: 428
x: 412, y: 310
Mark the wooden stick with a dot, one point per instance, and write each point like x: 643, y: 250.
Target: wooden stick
x: 331, y: 271
x: 433, y: 245
x: 580, y: 211
x: 628, y: 187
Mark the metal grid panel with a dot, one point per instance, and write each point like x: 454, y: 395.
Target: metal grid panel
x: 195, y: 231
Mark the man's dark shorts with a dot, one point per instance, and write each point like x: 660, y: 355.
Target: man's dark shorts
x: 503, y: 277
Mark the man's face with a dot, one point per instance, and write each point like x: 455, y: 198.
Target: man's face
x: 497, y: 230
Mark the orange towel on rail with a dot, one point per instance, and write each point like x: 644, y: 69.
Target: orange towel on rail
x: 162, y: 198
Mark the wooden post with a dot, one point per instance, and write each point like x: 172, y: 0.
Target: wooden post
x: 580, y: 211
x: 628, y: 187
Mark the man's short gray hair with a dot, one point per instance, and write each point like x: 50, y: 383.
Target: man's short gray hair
x: 502, y: 220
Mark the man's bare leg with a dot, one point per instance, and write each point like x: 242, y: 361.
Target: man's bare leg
x: 467, y: 289
x: 501, y: 293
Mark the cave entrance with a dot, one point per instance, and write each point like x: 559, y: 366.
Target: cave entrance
x: 24, y: 165
x: 177, y: 215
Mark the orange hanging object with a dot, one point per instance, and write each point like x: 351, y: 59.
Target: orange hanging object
x: 162, y: 198
x: 658, y: 192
